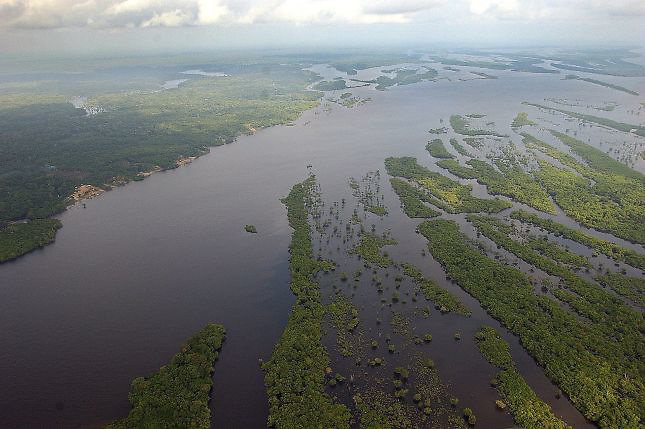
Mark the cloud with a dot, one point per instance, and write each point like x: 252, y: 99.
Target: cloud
x: 175, y: 13
x: 558, y: 10
x: 174, y: 18
x: 386, y: 7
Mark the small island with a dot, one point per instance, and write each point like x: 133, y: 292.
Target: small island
x: 250, y: 229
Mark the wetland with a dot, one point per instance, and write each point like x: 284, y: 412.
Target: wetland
x: 398, y: 263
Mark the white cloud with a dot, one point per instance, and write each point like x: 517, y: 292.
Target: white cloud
x: 128, y: 6
x: 211, y: 11
x: 174, y: 18
x: 556, y: 9
x: 173, y: 13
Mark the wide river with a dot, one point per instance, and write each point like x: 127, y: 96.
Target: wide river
x: 144, y: 266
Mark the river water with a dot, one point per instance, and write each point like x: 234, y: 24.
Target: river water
x: 144, y: 266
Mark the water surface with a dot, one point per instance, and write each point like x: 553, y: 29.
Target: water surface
x: 144, y: 266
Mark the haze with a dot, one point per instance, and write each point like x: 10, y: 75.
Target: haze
x: 100, y: 26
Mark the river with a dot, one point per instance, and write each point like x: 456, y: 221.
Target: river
x: 144, y: 266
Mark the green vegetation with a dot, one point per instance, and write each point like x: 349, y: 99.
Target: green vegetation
x: 441, y: 130
x: 370, y: 249
x: 480, y: 64
x: 368, y: 192
x: 462, y: 126
x: 139, y: 129
x: 295, y: 374
x: 20, y: 238
x: 345, y: 319
x: 610, y: 315
x: 459, y: 148
x: 177, y: 396
x: 602, y: 198
x: 138, y: 132
x: 378, y: 410
x: 330, y: 85
x: 357, y: 62
x: 566, y: 159
x: 598, y: 372
x: 475, y: 142
x: 606, y: 61
x: 459, y: 170
x: 452, y: 196
x: 521, y: 120
x: 553, y: 251
x: 601, y: 83
x: 616, y: 70
x: 349, y: 101
x: 512, y: 182
x: 433, y: 292
x: 632, y: 288
x: 412, y: 200
x: 438, y: 150
x: 604, y: 206
x: 484, y: 75
x: 528, y: 410
x: 608, y: 248
x: 597, y: 159
x: 524, y: 64
x: 620, y: 126
x: 250, y: 229
x: 405, y: 77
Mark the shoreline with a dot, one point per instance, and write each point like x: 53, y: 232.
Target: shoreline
x: 89, y: 191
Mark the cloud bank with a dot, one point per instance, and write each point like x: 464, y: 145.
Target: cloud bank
x: 49, y: 14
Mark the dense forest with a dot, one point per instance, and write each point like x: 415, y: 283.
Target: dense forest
x: 177, y: 396
x: 49, y: 147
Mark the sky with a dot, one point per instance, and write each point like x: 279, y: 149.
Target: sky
x: 95, y: 26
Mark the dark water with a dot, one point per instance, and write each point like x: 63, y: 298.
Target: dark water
x: 145, y: 266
